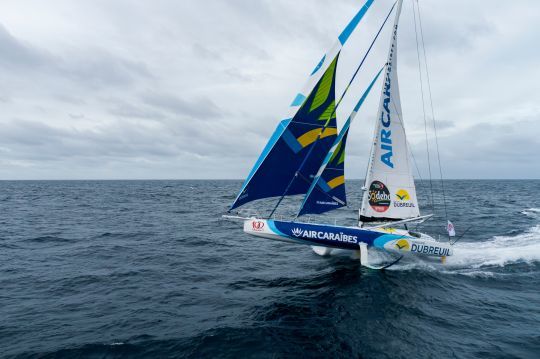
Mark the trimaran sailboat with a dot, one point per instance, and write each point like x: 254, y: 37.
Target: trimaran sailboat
x: 305, y: 155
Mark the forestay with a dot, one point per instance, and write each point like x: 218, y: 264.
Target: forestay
x: 390, y: 193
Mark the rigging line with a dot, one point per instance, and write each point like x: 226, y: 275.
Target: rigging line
x: 333, y: 112
x: 417, y: 168
x: 363, y: 59
x: 458, y: 238
x: 423, y: 109
x: 414, y: 161
x: 432, y: 111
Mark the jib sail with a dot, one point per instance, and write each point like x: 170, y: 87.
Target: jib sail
x: 327, y: 191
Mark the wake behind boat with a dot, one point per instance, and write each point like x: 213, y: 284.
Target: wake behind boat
x: 306, y: 155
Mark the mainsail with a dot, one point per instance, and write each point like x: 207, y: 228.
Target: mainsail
x: 390, y: 193
x: 311, y: 120
x: 327, y: 191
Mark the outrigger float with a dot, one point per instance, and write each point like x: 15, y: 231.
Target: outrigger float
x: 306, y: 155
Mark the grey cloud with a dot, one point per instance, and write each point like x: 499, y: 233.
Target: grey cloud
x: 200, y: 108
x: 195, y: 88
x: 39, y: 141
x: 484, y: 150
x: 98, y: 69
x: 93, y: 69
x: 32, y: 140
x: 16, y: 54
x: 125, y: 109
x: 501, y: 143
x: 205, y: 52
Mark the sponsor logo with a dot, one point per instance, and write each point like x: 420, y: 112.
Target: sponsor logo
x: 403, y: 195
x: 403, y: 199
x: 243, y: 195
x: 386, y: 120
x: 338, y: 237
x: 297, y: 232
x: 403, y: 245
x: 427, y: 249
x: 257, y: 225
x: 379, y: 196
x: 328, y: 203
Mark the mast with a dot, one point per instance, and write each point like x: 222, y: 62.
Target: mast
x: 389, y: 190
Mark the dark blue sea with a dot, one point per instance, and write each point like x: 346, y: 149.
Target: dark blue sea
x: 128, y: 269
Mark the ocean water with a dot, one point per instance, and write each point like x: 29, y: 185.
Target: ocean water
x: 112, y: 269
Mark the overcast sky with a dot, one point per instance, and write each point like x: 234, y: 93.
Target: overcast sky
x: 112, y: 89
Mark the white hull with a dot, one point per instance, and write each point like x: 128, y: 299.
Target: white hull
x: 323, y: 238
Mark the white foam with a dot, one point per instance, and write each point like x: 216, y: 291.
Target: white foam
x: 472, y: 258
x: 531, y: 212
x: 480, y: 258
x: 498, y: 251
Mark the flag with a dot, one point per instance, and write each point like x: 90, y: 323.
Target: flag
x: 451, y: 230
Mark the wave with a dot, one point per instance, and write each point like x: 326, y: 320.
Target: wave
x: 48, y: 239
x: 481, y: 258
x: 499, y: 251
x: 484, y: 258
x: 531, y: 212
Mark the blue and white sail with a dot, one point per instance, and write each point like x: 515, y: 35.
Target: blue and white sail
x: 311, y: 121
x: 327, y: 191
x: 390, y: 193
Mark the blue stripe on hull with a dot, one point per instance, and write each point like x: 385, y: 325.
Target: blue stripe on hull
x: 329, y: 236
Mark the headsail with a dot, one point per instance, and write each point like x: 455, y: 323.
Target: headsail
x: 311, y: 114
x: 327, y: 191
x: 390, y: 193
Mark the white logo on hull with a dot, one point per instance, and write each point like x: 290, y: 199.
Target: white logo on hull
x: 297, y: 232
x: 340, y: 237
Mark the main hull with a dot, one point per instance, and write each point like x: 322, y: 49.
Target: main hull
x: 393, y: 240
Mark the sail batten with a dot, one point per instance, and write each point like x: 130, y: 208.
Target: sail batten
x: 390, y: 192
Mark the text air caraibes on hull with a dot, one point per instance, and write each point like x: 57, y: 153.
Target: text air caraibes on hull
x: 306, y: 154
